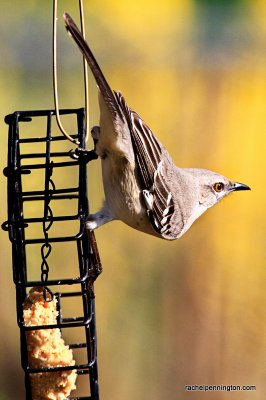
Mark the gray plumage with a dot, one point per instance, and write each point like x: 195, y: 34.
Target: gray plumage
x: 143, y: 187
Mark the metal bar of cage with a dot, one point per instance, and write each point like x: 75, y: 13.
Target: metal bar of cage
x: 18, y: 225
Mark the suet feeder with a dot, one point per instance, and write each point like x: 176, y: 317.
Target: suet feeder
x: 38, y: 164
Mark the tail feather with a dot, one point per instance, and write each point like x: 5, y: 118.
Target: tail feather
x: 102, y: 83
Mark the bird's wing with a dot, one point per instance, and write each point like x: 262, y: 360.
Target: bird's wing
x: 151, y: 158
x: 149, y: 153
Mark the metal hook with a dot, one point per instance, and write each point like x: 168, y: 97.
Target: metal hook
x: 85, y: 70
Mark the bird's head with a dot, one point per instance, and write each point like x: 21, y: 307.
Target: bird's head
x: 202, y: 189
x: 212, y: 187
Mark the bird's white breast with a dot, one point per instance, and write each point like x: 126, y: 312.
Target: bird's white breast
x: 123, y: 194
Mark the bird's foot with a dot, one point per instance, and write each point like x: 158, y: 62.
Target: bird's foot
x: 83, y: 155
x: 91, y: 224
x: 87, y: 155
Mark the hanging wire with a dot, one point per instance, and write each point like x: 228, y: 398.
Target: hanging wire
x: 85, y: 72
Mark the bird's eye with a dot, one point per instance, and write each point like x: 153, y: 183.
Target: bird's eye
x: 218, y: 187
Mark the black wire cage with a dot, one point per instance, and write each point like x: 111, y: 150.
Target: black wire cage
x: 47, y: 211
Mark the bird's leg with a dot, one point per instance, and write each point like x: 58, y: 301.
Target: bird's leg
x: 100, y: 218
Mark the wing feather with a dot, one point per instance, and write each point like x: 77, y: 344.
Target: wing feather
x: 151, y: 162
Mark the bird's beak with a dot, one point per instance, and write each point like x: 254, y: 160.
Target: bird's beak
x: 239, y: 186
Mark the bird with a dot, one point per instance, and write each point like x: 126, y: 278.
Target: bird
x: 143, y: 187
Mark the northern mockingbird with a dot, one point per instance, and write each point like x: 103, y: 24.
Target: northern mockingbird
x: 143, y: 188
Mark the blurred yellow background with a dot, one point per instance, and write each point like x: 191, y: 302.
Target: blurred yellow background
x: 178, y: 313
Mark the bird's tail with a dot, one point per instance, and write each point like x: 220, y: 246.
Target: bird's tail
x: 102, y: 83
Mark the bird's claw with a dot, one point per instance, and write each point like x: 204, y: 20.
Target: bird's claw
x: 83, y: 154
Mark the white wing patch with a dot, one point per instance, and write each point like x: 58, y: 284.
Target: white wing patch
x: 148, y: 198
